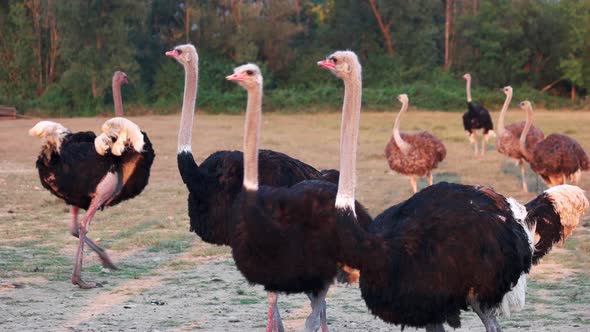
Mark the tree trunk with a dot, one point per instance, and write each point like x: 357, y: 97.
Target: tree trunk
x: 34, y: 7
x: 573, y: 93
x: 53, y: 44
x: 93, y: 86
x: 384, y: 29
x: 187, y: 23
x: 474, y: 7
x: 448, y: 6
x: 298, y: 10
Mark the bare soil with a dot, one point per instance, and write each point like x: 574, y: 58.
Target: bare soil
x: 169, y: 280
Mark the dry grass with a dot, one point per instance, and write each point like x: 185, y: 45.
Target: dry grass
x: 159, y: 259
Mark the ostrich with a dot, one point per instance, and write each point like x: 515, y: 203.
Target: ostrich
x: 413, y: 154
x: 469, y: 244
x: 556, y: 158
x: 285, y: 238
x: 66, y: 169
x: 476, y: 117
x: 77, y: 168
x: 508, y: 137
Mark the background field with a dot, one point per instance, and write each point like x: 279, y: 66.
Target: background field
x: 171, y: 281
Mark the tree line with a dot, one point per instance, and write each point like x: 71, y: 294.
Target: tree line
x: 58, y: 56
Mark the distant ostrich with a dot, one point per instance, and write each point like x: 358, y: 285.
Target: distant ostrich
x: 119, y: 78
x: 507, y: 142
x: 476, y: 117
x: 77, y: 168
x: 557, y: 159
x: 285, y: 238
x: 413, y: 154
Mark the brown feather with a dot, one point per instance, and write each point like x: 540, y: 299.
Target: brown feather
x: 508, y: 142
x: 424, y: 155
x: 557, y: 156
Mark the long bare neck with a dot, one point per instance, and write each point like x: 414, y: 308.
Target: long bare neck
x: 191, y: 75
x: 403, y: 145
x: 349, y: 127
x: 525, y: 131
x: 501, y: 127
x: 468, y: 88
x: 117, y: 98
x: 251, y: 138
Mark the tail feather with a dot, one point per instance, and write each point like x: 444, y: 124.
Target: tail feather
x: 125, y: 132
x: 51, y: 134
x: 555, y: 214
x: 514, y: 300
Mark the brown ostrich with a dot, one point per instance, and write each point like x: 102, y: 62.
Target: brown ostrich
x: 557, y: 159
x: 508, y: 137
x: 413, y: 154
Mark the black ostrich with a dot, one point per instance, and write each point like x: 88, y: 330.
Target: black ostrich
x: 77, y: 168
x: 285, y: 238
x: 476, y: 117
x: 421, y: 261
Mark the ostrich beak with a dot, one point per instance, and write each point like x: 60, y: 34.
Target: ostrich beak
x: 125, y: 80
x: 235, y: 77
x: 173, y: 53
x: 326, y: 63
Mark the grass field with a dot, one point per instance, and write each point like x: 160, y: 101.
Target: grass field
x: 171, y: 281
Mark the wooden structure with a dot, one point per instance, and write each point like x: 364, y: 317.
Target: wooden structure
x: 7, y: 112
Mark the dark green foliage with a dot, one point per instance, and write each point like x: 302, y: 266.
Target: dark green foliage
x: 527, y: 44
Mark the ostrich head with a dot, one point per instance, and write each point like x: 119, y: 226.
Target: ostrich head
x: 403, y: 98
x: 120, y: 77
x: 507, y: 90
x: 467, y: 77
x: 342, y: 64
x: 248, y: 76
x: 526, y: 105
x: 184, y: 54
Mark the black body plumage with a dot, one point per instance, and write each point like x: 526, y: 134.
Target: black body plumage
x: 74, y: 172
x: 286, y: 238
x: 214, y: 185
x: 477, y: 117
x: 426, y: 255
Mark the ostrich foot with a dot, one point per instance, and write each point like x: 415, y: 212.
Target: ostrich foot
x: 76, y: 280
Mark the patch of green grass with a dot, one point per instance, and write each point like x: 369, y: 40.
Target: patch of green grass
x: 174, y: 245
x: 249, y: 300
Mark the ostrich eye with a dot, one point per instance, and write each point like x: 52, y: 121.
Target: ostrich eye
x: 249, y: 72
x: 179, y: 51
x: 333, y: 59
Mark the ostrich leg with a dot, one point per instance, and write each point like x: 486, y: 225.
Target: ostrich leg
x: 523, y: 176
x: 273, y: 322
x: 483, y: 143
x: 435, y: 328
x: 107, y: 187
x: 75, y: 231
x: 318, y: 306
x: 414, y: 183
x: 475, y: 142
x: 429, y: 177
x: 487, y: 316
